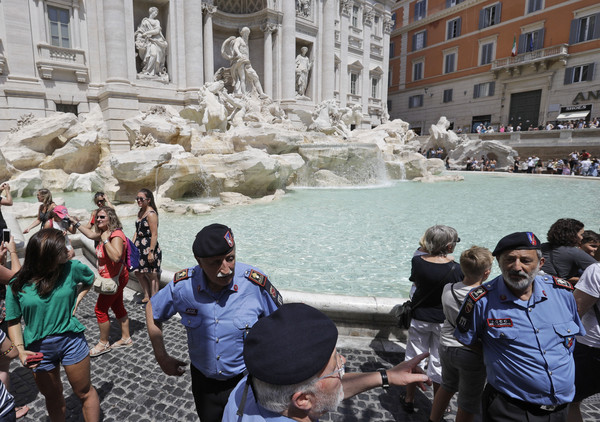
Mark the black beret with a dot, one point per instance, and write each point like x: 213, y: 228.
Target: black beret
x: 291, y: 345
x: 519, y: 240
x: 213, y: 240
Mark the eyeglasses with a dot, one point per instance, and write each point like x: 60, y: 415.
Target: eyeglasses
x: 140, y: 199
x: 341, y: 369
x: 100, y: 217
x: 457, y: 240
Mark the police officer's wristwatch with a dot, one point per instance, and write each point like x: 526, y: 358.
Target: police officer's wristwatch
x: 385, y: 383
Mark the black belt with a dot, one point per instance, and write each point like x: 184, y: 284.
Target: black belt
x: 530, y: 407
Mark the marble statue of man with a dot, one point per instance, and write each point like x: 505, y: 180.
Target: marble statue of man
x: 303, y: 66
x: 236, y: 50
x: 151, y: 45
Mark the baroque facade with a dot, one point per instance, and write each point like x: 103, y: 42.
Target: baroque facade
x: 127, y: 55
x: 494, y: 62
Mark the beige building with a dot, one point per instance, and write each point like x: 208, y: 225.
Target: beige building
x: 493, y: 62
x: 125, y: 56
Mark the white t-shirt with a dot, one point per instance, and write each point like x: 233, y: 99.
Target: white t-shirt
x: 451, y: 309
x: 590, y: 283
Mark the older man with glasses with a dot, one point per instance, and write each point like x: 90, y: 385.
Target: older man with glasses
x: 296, y: 373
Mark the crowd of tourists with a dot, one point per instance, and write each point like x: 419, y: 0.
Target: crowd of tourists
x: 555, y: 125
x: 506, y: 346
x: 576, y: 163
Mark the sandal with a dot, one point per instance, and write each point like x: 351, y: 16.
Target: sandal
x: 97, y: 351
x: 122, y: 343
x: 21, y: 411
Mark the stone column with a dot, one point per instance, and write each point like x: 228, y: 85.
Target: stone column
x: 268, y: 29
x: 288, y: 64
x: 346, y: 6
x: 114, y: 34
x: 194, y: 63
x: 209, y: 65
x: 328, y: 53
x: 368, y: 15
x: 387, y: 30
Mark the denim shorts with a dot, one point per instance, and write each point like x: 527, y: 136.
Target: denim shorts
x: 62, y: 349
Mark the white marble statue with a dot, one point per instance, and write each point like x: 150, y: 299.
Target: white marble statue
x: 235, y: 49
x: 327, y: 119
x: 303, y: 8
x: 214, y: 113
x: 352, y: 115
x: 303, y: 66
x: 152, y: 47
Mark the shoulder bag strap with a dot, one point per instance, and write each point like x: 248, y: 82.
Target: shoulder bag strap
x: 432, y: 290
x: 457, y: 302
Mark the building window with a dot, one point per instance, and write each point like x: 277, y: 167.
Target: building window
x: 419, y: 40
x: 448, y: 95
x: 390, y: 77
x: 392, y: 50
x: 417, y: 71
x: 485, y: 89
x: 531, y: 41
x: 354, y: 83
x: 355, y: 16
x: 579, y: 73
x: 486, y: 53
x: 389, y: 105
x: 453, y: 29
x: 67, y: 108
x: 58, y: 20
x: 420, y: 9
x: 585, y: 29
x: 415, y: 101
x: 489, y: 16
x: 374, y: 87
x: 450, y: 63
x: 450, y: 3
x: 534, y: 5
x: 376, y: 25
x: 394, y: 20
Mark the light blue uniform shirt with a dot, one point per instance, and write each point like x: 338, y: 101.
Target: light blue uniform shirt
x: 253, y: 412
x: 527, y: 346
x: 216, y: 323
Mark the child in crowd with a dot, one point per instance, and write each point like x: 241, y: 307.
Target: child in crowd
x: 463, y: 369
x: 590, y: 242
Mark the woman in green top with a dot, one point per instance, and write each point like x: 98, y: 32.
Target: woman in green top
x: 45, y: 294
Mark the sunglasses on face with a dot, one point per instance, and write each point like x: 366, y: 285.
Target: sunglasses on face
x: 140, y: 199
x: 101, y: 217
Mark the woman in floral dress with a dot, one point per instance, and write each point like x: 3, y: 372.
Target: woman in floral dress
x: 146, y: 240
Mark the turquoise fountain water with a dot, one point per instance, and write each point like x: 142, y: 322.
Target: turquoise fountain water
x: 360, y: 241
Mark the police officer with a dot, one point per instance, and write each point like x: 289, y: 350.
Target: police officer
x: 526, y: 324
x: 218, y: 300
x: 296, y: 372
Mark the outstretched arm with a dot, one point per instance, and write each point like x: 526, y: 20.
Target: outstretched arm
x: 168, y: 364
x: 407, y: 372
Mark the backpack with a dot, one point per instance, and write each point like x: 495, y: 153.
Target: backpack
x: 132, y: 259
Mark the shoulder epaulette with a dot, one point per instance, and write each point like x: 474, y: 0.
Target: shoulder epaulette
x: 562, y: 283
x: 465, y: 316
x: 182, y: 275
x: 262, y: 280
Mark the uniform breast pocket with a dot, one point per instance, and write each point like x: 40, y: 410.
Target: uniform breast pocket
x: 191, y: 322
x: 502, y: 333
x: 566, y: 332
x: 244, y: 321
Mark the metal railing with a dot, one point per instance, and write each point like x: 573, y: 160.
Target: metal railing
x: 554, y: 52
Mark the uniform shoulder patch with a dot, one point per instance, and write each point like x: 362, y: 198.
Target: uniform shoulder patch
x: 465, y: 316
x: 262, y: 280
x: 562, y: 283
x: 182, y: 275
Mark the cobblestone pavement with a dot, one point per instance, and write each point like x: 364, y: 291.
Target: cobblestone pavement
x: 133, y: 388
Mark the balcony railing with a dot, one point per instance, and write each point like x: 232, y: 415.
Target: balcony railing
x: 52, y: 58
x: 556, y: 52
